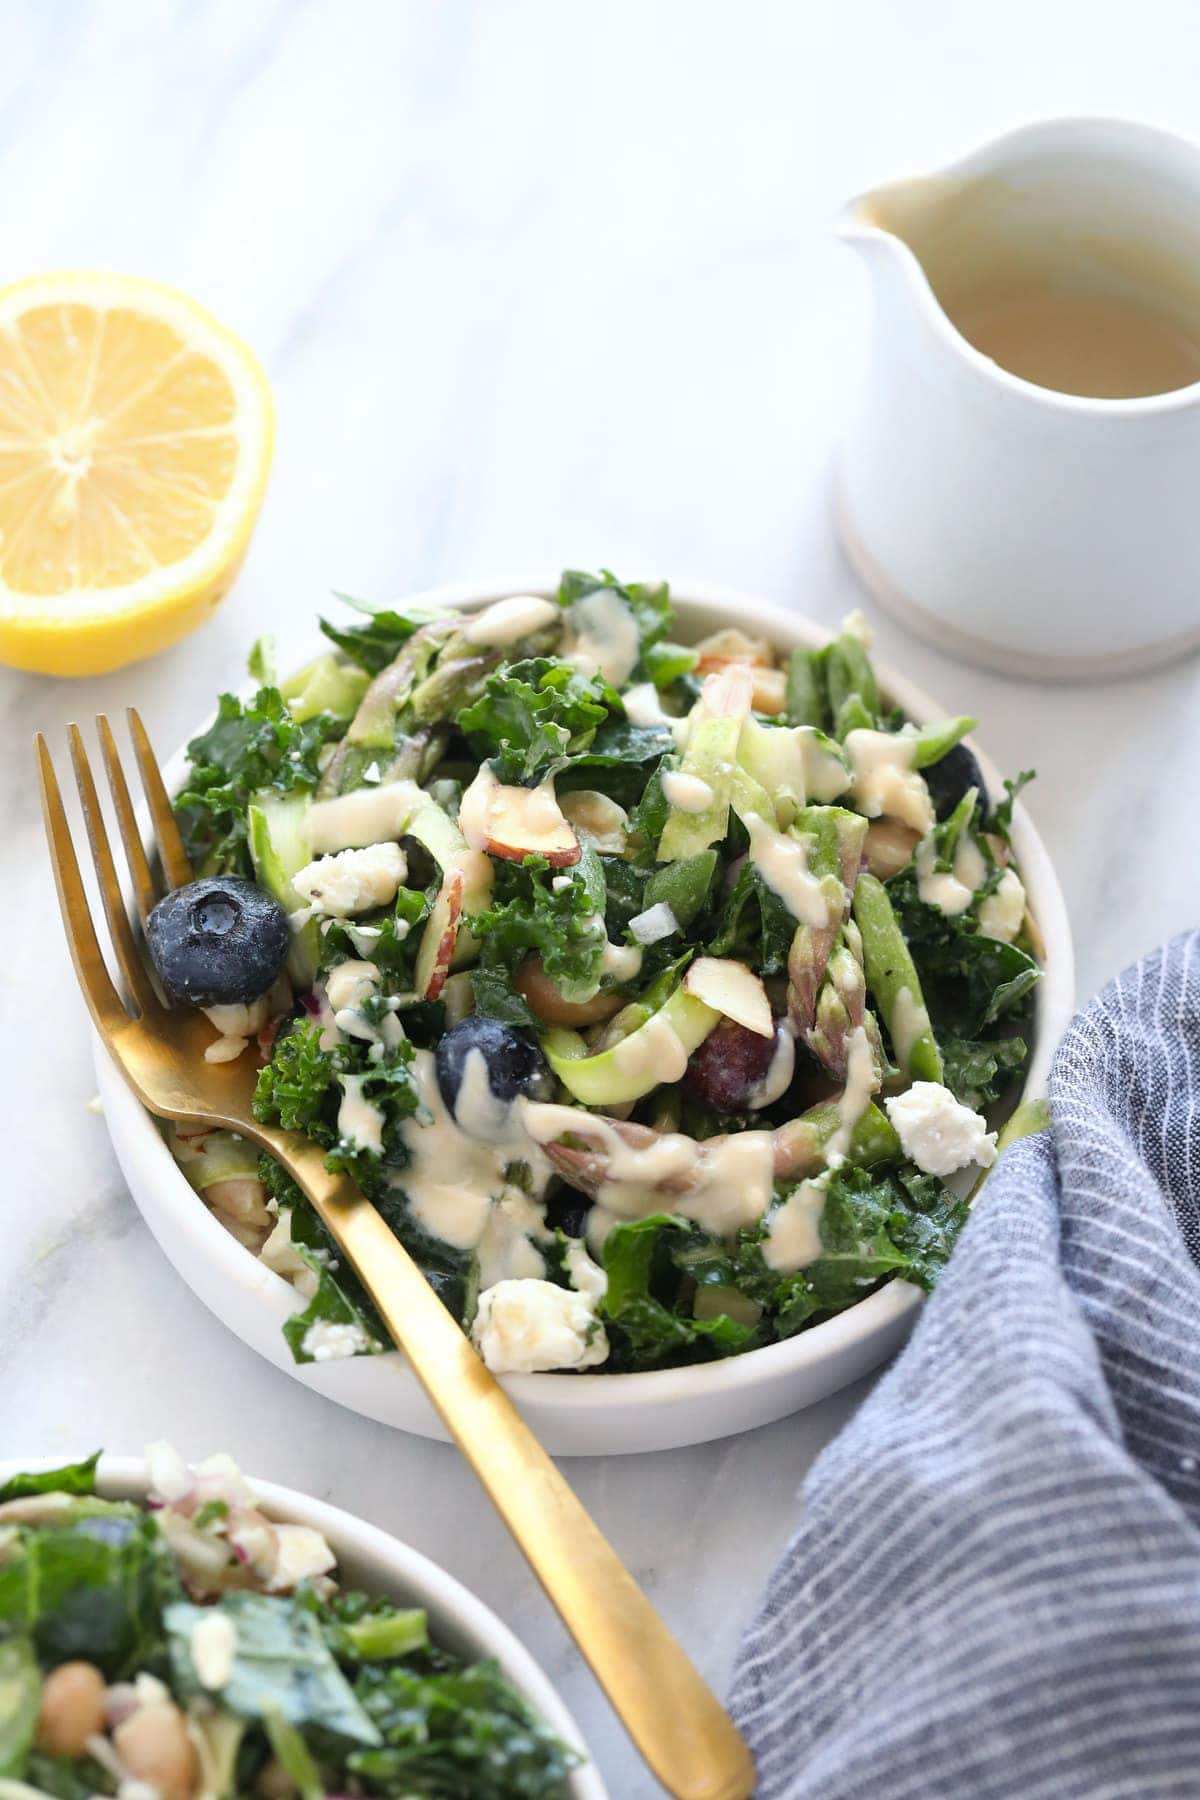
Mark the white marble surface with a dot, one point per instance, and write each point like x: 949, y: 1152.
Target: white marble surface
x: 534, y: 283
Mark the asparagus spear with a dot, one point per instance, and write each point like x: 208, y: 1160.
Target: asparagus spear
x: 893, y: 980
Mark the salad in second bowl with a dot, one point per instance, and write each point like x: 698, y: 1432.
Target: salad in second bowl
x: 655, y: 993
x: 195, y: 1649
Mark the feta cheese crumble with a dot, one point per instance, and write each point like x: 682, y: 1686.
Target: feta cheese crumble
x: 1003, y: 913
x: 213, y: 1645
x: 352, y: 881
x: 529, y: 1325
x: 938, y: 1132
x: 329, y: 1341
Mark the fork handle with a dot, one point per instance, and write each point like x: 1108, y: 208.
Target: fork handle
x: 671, y: 1714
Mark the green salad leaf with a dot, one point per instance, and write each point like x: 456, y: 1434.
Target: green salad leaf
x: 294, y: 1088
x: 71, y: 1478
x: 458, y: 1734
x: 282, y: 1665
x: 533, y: 715
x: 559, y: 913
x: 89, y: 1588
x: 250, y: 748
x: 20, y: 1695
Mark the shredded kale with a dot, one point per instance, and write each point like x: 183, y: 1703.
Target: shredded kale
x: 873, y: 1224
x: 534, y: 715
x: 558, y: 913
x: 250, y: 748
x: 755, y: 924
x: 980, y: 1070
x: 969, y: 980
x: 373, y: 645
x: 1001, y: 818
x: 293, y: 1089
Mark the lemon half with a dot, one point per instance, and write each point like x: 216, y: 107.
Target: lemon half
x: 135, y: 441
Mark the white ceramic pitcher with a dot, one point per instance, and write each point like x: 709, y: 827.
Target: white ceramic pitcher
x: 1038, y: 531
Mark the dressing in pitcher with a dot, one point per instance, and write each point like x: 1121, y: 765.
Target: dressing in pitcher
x: 1019, y: 478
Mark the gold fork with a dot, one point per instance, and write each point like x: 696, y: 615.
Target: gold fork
x: 675, y: 1720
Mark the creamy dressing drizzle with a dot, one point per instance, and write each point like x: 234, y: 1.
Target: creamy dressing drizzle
x: 359, y: 1121
x: 783, y: 864
x: 909, y: 1021
x: 861, y: 1083
x: 455, y: 1183
x: 602, y: 637
x: 723, y: 1184
x: 885, y: 782
x: 644, y: 707
x: 622, y: 961
x: 950, y: 890
x: 504, y: 621
x: 793, y: 1239
x: 687, y: 793
x: 373, y: 815
x: 778, y: 1078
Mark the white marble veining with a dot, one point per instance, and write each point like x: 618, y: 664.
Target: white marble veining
x: 534, y: 283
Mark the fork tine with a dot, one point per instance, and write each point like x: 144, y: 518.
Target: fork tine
x: 104, y: 1003
x: 137, y: 980
x: 176, y: 866
x: 144, y: 889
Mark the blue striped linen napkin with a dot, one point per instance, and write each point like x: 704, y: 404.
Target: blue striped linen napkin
x: 994, y: 1589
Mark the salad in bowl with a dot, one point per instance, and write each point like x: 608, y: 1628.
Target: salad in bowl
x: 663, y: 996
x: 174, y: 1633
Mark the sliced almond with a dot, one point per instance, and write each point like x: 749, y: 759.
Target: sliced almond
x: 770, y: 690
x: 441, y: 932
x: 732, y: 645
x: 731, y: 988
x: 593, y: 815
x: 515, y: 822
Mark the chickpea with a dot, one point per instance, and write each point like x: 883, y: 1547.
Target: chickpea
x: 155, y: 1747
x: 889, y: 847
x: 535, y: 986
x: 72, y: 1709
x: 273, y: 1781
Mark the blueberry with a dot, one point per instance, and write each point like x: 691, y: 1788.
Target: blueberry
x: 218, y: 942
x: 949, y: 779
x: 568, y: 1212
x: 513, y: 1064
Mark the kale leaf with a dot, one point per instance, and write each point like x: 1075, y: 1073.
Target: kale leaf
x: 340, y: 1298
x: 978, y: 1070
x: 393, y: 951
x: 755, y: 925
x: 373, y: 645
x: 1001, y: 818
x: 969, y: 980
x: 250, y: 748
x: 873, y: 1224
x: 294, y: 1089
x: 533, y: 715
x: 282, y: 1665
x: 456, y: 1733
x: 647, y: 1299
x: 559, y: 913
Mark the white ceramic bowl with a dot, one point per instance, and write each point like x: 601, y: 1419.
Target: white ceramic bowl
x: 582, y: 1415
x: 369, y: 1558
